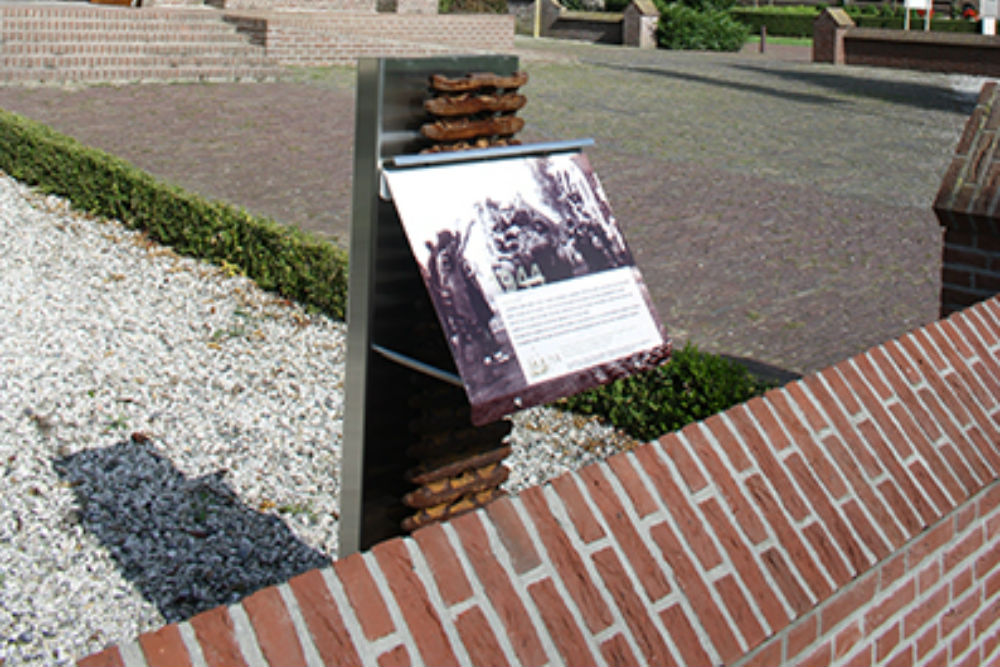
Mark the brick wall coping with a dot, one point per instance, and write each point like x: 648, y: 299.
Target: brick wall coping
x: 921, y: 37
x: 971, y: 185
x: 782, y: 527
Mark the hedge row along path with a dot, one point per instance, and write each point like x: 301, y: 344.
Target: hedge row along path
x: 780, y: 210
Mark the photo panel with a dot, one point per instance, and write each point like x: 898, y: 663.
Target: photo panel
x: 534, y: 286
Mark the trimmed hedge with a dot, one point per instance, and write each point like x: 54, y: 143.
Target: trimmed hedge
x: 294, y: 264
x: 692, y: 386
x: 916, y: 23
x: 797, y: 20
x: 472, y: 6
x: 780, y: 21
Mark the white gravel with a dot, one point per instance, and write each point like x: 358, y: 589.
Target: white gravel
x: 169, y: 434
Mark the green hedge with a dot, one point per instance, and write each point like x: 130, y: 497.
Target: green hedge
x: 797, y: 20
x: 472, y: 6
x: 780, y: 21
x: 916, y: 23
x: 692, y: 386
x: 296, y: 265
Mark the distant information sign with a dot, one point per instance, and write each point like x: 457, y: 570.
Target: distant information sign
x: 533, y: 283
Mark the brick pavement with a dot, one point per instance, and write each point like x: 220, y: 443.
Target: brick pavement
x: 780, y: 210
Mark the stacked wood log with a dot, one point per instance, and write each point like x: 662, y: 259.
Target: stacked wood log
x: 474, y: 111
x: 460, y: 465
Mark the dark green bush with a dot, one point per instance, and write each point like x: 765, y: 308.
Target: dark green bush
x: 780, y: 21
x: 692, y: 386
x: 278, y: 258
x: 472, y: 6
x: 709, y: 5
x: 682, y: 27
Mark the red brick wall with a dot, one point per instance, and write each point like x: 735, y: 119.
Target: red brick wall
x: 968, y: 207
x: 852, y: 517
x: 342, y: 38
x: 931, y: 51
x: 844, y: 43
x: 935, y: 602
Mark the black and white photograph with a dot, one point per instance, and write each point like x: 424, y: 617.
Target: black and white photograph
x: 527, y: 269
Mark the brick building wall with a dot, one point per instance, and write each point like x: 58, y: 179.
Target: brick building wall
x: 968, y: 208
x: 852, y: 517
x: 836, y: 39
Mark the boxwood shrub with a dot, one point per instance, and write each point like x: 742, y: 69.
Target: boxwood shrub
x: 684, y: 27
x: 299, y: 266
x: 692, y: 386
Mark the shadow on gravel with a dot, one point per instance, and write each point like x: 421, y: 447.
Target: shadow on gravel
x: 918, y: 95
x: 186, y: 544
x: 784, y: 94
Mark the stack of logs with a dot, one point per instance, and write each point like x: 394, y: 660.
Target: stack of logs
x: 461, y: 465
x: 474, y: 111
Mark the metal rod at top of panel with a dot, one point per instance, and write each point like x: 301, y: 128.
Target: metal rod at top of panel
x: 541, y: 148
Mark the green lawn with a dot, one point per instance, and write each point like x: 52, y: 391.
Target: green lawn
x: 788, y: 41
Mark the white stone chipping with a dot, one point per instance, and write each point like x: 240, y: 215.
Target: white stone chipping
x: 169, y: 434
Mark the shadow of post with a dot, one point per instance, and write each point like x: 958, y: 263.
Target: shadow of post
x: 186, y: 544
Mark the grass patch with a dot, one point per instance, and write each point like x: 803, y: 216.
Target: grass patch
x: 781, y: 41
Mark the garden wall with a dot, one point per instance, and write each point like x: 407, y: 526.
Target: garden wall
x: 596, y: 27
x: 929, y: 51
x: 852, y: 517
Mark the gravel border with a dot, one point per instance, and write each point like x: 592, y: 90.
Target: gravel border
x: 169, y: 434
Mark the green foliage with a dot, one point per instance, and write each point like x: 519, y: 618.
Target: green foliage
x: 278, y: 258
x: 472, y: 6
x: 683, y: 27
x: 780, y: 21
x: 916, y: 23
x: 797, y: 20
x: 616, y: 5
x: 692, y: 386
x: 709, y: 5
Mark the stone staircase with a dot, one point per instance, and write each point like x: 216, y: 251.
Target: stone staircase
x: 71, y: 42
x: 225, y: 40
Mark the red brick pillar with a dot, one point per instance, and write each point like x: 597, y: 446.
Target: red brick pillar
x: 968, y: 207
x: 828, y: 35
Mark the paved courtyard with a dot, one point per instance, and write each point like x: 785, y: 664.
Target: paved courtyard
x: 780, y: 210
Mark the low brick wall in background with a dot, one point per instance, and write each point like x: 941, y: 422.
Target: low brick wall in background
x: 836, y: 39
x: 591, y: 27
x: 852, y: 517
x: 928, y: 51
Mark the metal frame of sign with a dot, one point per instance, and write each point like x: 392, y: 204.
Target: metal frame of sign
x: 396, y: 353
x: 404, y: 395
